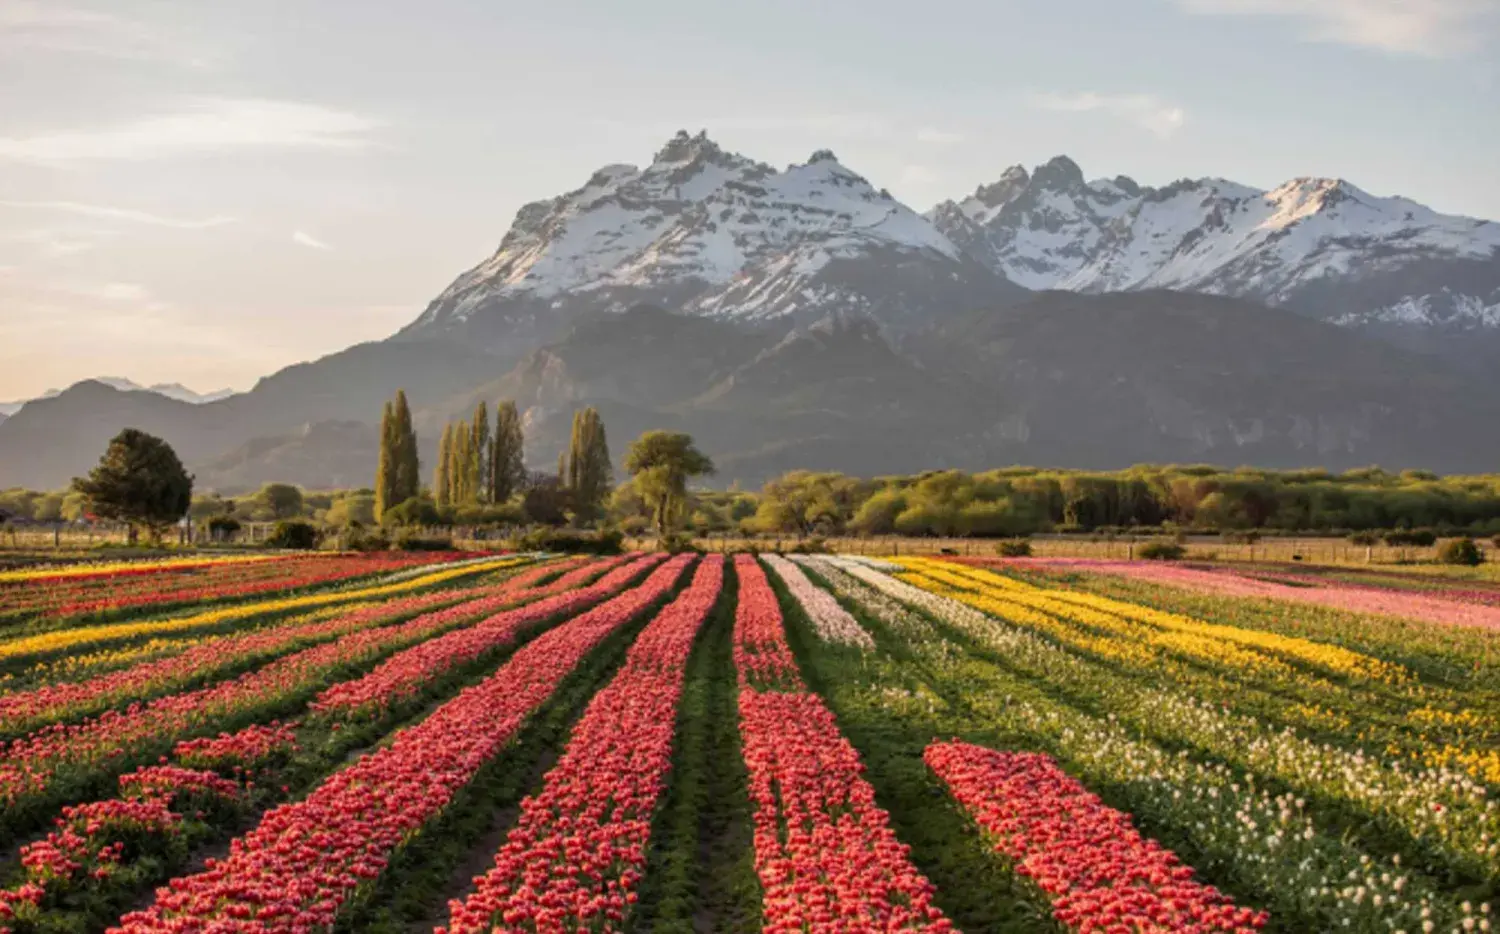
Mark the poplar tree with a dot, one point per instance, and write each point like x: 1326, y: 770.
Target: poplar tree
x: 440, y: 484
x: 507, y: 466
x: 463, y: 492
x: 589, y: 471
x: 479, y: 453
x: 385, y: 472
x: 408, y: 466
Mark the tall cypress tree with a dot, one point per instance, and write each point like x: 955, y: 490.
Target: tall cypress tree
x: 589, y: 471
x: 440, y: 484
x: 479, y: 452
x: 407, y: 460
x: 507, y: 466
x: 385, y: 472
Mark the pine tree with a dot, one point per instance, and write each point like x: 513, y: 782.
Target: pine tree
x: 440, y: 484
x: 385, y: 472
x: 562, y: 468
x: 479, y: 452
x: 408, y: 466
x: 507, y: 467
x: 589, y: 471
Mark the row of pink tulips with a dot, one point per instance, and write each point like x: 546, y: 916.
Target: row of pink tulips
x: 303, y: 863
x: 824, y: 850
x: 573, y: 860
x: 1386, y: 602
x: 1097, y: 870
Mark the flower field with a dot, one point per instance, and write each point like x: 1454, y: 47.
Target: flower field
x: 808, y: 743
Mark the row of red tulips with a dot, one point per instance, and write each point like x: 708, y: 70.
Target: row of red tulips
x: 1097, y: 870
x: 762, y: 657
x: 31, y: 765
x: 60, y: 600
x: 824, y: 850
x: 574, y: 859
x: 93, y: 842
x: 404, y: 674
x: 27, y: 709
x: 303, y: 863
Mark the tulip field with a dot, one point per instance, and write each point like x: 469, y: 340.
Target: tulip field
x: 470, y: 743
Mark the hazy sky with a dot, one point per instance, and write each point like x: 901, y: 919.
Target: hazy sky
x: 206, y: 191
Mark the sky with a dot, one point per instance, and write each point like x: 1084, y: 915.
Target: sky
x: 204, y: 192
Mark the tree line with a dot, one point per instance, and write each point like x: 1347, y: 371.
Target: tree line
x: 481, y: 479
x: 1022, y: 501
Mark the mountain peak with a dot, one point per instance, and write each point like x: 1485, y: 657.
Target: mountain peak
x: 1011, y: 183
x: 1059, y: 172
x: 822, y: 155
x: 683, y: 147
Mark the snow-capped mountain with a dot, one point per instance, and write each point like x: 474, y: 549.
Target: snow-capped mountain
x: 171, y: 390
x: 714, y: 233
x: 1318, y: 245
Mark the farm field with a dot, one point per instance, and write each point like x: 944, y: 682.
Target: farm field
x: 643, y: 743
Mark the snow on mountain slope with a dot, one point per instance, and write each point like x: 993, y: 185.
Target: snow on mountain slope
x: 712, y: 232
x: 1322, y: 246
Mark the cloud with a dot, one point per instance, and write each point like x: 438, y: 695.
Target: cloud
x: 1146, y: 111
x: 302, y: 238
x: 825, y: 126
x: 918, y: 175
x: 54, y: 242
x: 937, y: 137
x: 125, y: 292
x: 57, y: 27
x: 107, y: 212
x: 1434, y: 28
x: 203, y: 125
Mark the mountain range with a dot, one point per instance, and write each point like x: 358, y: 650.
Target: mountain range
x: 804, y: 318
x: 171, y: 390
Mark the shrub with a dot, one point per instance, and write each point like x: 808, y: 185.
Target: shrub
x: 1462, y: 551
x: 571, y: 542
x: 361, y: 540
x: 1161, y: 551
x: 294, y: 533
x: 1014, y: 548
x: 222, y: 528
x: 410, y: 542
x: 415, y: 511
x: 1364, y: 538
x: 1417, y: 538
x: 811, y: 546
x: 677, y: 543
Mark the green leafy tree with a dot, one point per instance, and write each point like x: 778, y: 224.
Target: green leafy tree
x: 280, y: 500
x: 589, y: 471
x: 662, y: 462
x: 507, y: 464
x: 140, y: 481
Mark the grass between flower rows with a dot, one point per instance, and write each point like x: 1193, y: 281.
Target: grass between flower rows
x: 700, y: 872
x: 974, y: 888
